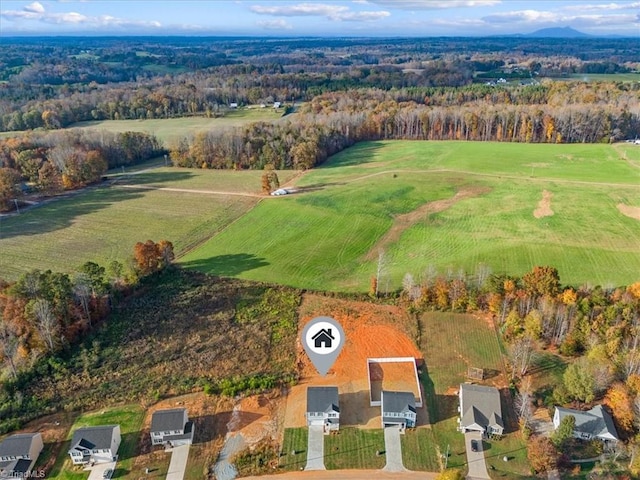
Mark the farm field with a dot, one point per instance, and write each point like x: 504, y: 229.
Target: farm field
x: 103, y: 223
x: 444, y: 207
x: 172, y: 129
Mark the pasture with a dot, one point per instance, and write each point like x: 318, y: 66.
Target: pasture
x: 170, y: 130
x: 442, y: 207
x: 103, y: 223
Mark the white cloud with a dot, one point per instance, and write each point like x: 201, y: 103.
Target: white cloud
x: 35, y: 11
x: 332, y: 12
x: 539, y: 18
x: 435, y: 4
x: 603, y: 6
x: 35, y: 7
x: 279, y: 24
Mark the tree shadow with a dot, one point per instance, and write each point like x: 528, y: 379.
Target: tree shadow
x: 229, y: 265
x: 147, y: 177
x: 357, y: 154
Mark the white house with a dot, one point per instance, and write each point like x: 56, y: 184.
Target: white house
x: 323, y: 408
x: 171, y: 427
x: 398, y: 408
x: 594, y: 423
x: 18, y: 454
x: 480, y: 409
x: 95, y: 444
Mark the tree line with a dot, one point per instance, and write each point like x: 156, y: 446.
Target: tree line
x: 51, y: 162
x: 45, y: 313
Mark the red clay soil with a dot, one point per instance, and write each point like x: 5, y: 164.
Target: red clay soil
x: 371, y: 331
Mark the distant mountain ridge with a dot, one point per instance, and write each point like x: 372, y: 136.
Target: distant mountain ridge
x: 557, y: 32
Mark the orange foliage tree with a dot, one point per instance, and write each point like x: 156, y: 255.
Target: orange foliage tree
x: 151, y: 257
x: 619, y: 401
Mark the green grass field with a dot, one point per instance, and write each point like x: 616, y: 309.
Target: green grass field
x: 354, y: 448
x: 295, y: 439
x: 327, y: 236
x: 129, y: 417
x: 104, y: 223
x: 172, y: 129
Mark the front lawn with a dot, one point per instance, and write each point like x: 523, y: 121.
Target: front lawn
x: 354, y: 448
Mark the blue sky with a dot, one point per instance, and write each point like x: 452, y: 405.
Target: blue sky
x: 316, y: 18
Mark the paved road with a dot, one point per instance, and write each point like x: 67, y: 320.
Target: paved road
x: 393, y: 450
x: 475, y: 460
x: 178, y: 463
x: 97, y: 471
x: 348, y: 475
x: 315, y: 449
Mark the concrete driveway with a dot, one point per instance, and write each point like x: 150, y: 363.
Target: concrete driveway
x: 393, y: 450
x: 178, y: 463
x: 97, y: 471
x: 475, y: 460
x: 315, y: 448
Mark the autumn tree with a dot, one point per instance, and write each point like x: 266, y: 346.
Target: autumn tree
x: 542, y: 454
x: 9, y: 187
x: 579, y: 382
x: 151, y: 257
x: 270, y: 181
x: 450, y: 474
x: 46, y: 323
x: 619, y: 401
x: 542, y: 281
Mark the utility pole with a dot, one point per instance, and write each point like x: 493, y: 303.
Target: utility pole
x: 15, y: 200
x: 446, y: 457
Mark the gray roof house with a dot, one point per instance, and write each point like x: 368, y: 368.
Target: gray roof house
x: 323, y: 408
x: 594, y: 423
x: 480, y: 409
x: 95, y: 444
x: 18, y: 454
x: 398, y: 408
x: 171, y: 427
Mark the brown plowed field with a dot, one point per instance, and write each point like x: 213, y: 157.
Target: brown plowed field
x: 371, y: 331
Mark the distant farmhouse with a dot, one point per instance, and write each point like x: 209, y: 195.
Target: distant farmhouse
x: 171, y: 427
x: 18, y: 454
x: 398, y: 408
x: 480, y: 410
x: 323, y: 408
x: 594, y: 423
x: 95, y: 444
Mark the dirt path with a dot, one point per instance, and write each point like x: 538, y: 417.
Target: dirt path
x: 350, y: 475
x: 544, y: 205
x: 629, y: 211
x: 187, y: 190
x: 406, y: 220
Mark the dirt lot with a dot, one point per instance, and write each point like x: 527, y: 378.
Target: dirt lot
x: 395, y: 377
x: 371, y: 331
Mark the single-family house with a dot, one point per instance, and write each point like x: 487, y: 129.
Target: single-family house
x: 398, y: 408
x: 95, y: 444
x: 323, y: 339
x: 233, y: 105
x: 594, y: 423
x: 18, y: 454
x: 171, y: 427
x: 323, y: 408
x: 480, y: 409
x: 276, y: 104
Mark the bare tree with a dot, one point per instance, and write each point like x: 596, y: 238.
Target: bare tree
x: 521, y: 353
x: 523, y: 403
x: 82, y: 292
x: 46, y: 323
x: 381, y: 270
x: 9, y: 347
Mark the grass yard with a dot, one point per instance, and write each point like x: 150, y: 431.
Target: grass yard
x: 129, y: 417
x: 354, y: 448
x: 418, y: 450
x: 295, y: 439
x: 103, y: 223
x: 170, y: 130
x: 514, y: 448
x: 398, y: 197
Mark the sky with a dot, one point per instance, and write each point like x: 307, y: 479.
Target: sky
x: 368, y: 18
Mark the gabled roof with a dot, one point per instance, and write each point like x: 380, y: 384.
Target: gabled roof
x: 325, y: 331
x: 168, y: 420
x: 17, y: 445
x: 398, y: 402
x: 93, y: 438
x: 322, y: 399
x: 480, y: 405
x: 596, y: 422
